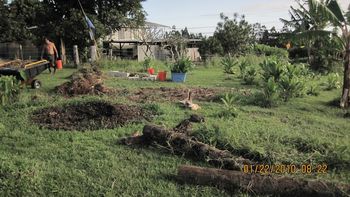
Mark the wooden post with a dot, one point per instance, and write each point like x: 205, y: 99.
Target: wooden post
x: 110, y: 54
x: 76, y: 56
x: 63, y: 52
x: 93, y: 53
x: 21, y: 51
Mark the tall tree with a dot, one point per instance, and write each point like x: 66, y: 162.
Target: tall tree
x: 235, y: 35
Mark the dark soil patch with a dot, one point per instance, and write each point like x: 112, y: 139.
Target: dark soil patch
x: 89, y: 116
x: 85, y: 81
x: 175, y: 94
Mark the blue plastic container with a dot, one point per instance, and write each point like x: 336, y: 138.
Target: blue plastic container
x: 178, y: 77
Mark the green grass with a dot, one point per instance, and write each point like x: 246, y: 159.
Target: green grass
x: 37, y: 161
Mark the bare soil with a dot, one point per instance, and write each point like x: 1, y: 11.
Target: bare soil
x: 175, y: 94
x: 85, y: 81
x: 89, y: 116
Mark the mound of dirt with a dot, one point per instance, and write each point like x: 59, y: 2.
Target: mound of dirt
x: 174, y: 94
x: 88, y: 116
x: 84, y: 81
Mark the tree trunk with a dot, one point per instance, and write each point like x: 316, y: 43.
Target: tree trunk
x: 344, y: 103
x: 259, y: 184
x: 181, y: 144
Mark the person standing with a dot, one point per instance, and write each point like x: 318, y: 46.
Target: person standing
x: 49, y: 52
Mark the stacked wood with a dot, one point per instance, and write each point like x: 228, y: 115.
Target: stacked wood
x: 258, y: 184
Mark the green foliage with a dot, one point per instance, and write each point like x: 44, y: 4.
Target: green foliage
x: 333, y: 81
x: 209, y: 47
x: 147, y: 63
x: 270, y: 95
x: 182, y: 65
x: 272, y: 67
x: 9, y: 90
x: 229, y: 106
x: 261, y: 49
x: 291, y: 86
x: 249, y: 75
x: 313, y: 89
x: 229, y: 64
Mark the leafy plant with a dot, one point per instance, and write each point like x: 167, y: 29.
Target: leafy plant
x: 229, y: 105
x: 9, y: 90
x: 229, y: 63
x: 182, y: 65
x: 270, y: 96
x: 243, y: 67
x: 147, y: 63
x: 272, y: 67
x: 313, y: 90
x: 333, y: 81
x: 291, y: 86
x: 261, y: 49
x: 250, y: 75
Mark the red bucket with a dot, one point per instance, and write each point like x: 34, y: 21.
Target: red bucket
x: 151, y: 71
x: 59, y: 64
x: 162, y: 76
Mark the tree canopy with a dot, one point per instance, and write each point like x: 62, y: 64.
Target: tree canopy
x: 64, y: 19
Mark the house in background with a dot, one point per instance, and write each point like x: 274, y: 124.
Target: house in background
x: 143, y: 42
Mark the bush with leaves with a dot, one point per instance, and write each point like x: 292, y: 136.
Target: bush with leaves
x: 250, y: 75
x: 261, y: 49
x: 272, y: 67
x: 270, y: 94
x: 313, y: 89
x: 230, y: 109
x: 291, y: 86
x: 333, y: 81
x: 229, y: 64
x: 9, y: 90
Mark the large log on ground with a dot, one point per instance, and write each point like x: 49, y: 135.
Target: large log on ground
x: 181, y: 144
x: 233, y: 181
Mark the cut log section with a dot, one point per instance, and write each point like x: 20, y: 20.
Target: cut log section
x: 181, y: 144
x: 258, y: 184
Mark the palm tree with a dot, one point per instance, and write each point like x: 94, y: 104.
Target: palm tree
x: 314, y: 22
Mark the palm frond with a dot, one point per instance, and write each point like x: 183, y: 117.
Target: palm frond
x: 317, y: 7
x: 333, y: 5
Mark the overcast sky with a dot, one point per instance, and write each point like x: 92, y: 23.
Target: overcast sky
x: 203, y: 15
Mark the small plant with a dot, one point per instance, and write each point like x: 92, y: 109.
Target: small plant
x: 183, y: 65
x: 272, y: 67
x: 250, y: 75
x: 147, y: 64
x: 229, y: 106
x: 243, y: 67
x: 313, y: 90
x: 9, y: 90
x: 229, y: 64
x: 333, y: 81
x: 270, y: 93
x: 291, y: 86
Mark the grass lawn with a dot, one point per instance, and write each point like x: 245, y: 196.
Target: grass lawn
x: 42, y: 162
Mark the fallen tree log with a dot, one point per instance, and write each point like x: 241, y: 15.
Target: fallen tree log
x: 181, y: 144
x: 259, y: 184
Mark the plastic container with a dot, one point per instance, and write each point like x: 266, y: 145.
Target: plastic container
x: 178, y: 77
x: 151, y: 71
x: 59, y: 64
x: 162, y: 76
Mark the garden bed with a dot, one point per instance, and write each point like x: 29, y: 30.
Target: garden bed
x: 88, y: 116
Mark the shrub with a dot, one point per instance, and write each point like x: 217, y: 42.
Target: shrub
x: 147, y: 63
x: 183, y: 65
x: 261, y: 49
x: 272, y: 67
x: 333, y: 81
x: 313, y: 90
x: 229, y: 106
x: 9, y: 90
x: 291, y: 86
x: 229, y: 63
x: 270, y: 96
x: 250, y: 75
